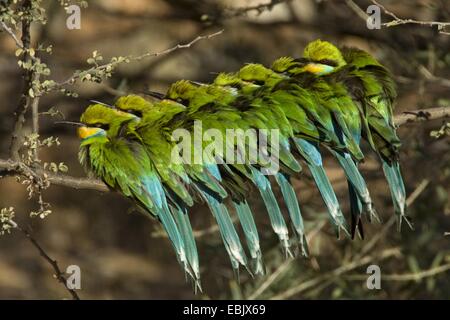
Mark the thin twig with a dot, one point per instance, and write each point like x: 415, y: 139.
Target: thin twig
x: 360, y: 12
x: 396, y: 20
x: 17, y: 168
x: 406, y: 276
x: 422, y: 115
x: 53, y: 263
x: 334, y: 273
x: 72, y: 79
x: 283, y: 267
x: 11, y: 33
x: 259, y: 9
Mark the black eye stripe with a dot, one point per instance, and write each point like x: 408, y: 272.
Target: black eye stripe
x: 137, y: 113
x: 328, y: 62
x: 104, y: 126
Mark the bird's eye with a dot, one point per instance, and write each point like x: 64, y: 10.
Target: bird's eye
x: 328, y: 62
x: 182, y: 101
x: 104, y: 126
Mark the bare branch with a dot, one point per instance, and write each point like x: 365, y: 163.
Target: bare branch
x: 338, y: 272
x: 16, y: 168
x: 11, y: 33
x: 13, y: 167
x: 422, y: 115
x: 109, y: 66
x: 407, y: 276
x: 259, y: 9
x: 396, y: 20
x: 58, y: 273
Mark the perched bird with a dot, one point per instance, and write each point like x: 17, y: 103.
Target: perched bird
x: 123, y: 164
x: 241, y: 112
x: 372, y: 88
x: 197, y: 142
x: 155, y: 128
x: 295, y: 97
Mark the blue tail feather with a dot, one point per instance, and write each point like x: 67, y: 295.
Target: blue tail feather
x: 155, y: 193
x: 187, y: 233
x: 355, y: 210
x: 357, y: 181
x: 292, y: 204
x: 227, y: 231
x: 313, y: 158
x: 398, y: 192
x: 251, y: 234
x: 275, y: 216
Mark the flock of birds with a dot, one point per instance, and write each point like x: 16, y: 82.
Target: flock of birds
x: 329, y: 100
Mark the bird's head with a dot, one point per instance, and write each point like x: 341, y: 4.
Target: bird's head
x: 168, y: 108
x: 134, y: 104
x: 291, y: 66
x: 324, y: 57
x: 256, y: 73
x: 182, y: 90
x: 232, y: 80
x: 284, y: 64
x: 100, y: 123
x: 225, y: 79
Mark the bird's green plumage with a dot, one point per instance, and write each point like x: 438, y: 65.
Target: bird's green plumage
x: 328, y: 99
x: 123, y: 164
x: 370, y: 85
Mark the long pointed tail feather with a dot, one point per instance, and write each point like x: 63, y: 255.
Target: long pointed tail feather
x: 187, y: 233
x: 275, y: 216
x: 355, y: 210
x: 290, y: 198
x: 312, y: 155
x: 227, y: 231
x: 358, y: 183
x: 251, y: 234
x: 155, y: 192
x: 398, y: 193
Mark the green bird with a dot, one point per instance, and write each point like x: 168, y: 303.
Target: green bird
x: 343, y: 118
x: 373, y: 89
x: 210, y: 142
x: 155, y: 131
x: 282, y: 87
x: 124, y: 166
x: 301, y: 127
x: 211, y: 102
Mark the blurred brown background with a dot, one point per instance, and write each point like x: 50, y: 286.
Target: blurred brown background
x: 117, y: 250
